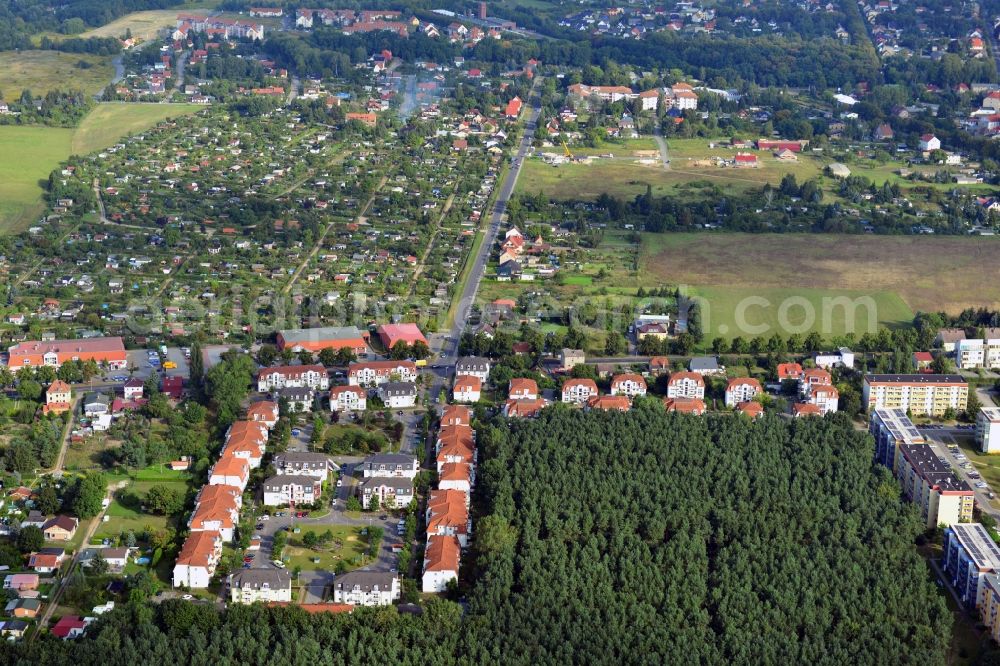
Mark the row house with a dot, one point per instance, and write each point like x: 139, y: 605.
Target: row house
x: 448, y: 515
x: 390, y: 465
x: 197, y: 560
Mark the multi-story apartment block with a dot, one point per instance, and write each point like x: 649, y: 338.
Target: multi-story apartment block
x: 989, y: 606
x: 742, y: 389
x: 686, y: 385
x: 247, y: 586
x: 629, y: 384
x: 923, y: 395
x: 988, y: 429
x: 930, y: 483
x: 578, y: 391
x: 892, y: 428
x: 284, y: 489
x: 366, y: 588
x: 374, y: 373
x: 970, y: 555
x: 970, y: 353
x: 293, y: 376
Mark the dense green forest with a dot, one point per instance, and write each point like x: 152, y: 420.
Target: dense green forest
x: 657, y: 538
x: 618, y: 538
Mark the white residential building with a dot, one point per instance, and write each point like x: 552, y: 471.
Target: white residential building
x: 742, y: 389
x: 629, y: 384
x: 686, y: 385
x: 348, y: 399
x: 283, y: 489
x: 293, y: 376
x: 579, y: 391
x: 247, y: 586
x: 366, y: 588
x: 988, y: 429
x: 398, y: 395
x: 473, y: 366
x: 374, y: 373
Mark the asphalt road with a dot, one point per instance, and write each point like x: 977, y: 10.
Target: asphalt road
x: 468, y: 296
x: 939, y: 439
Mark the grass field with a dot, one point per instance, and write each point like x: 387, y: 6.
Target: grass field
x: 28, y: 154
x: 146, y: 25
x: 42, y: 71
x: 901, y: 274
x: 623, y: 176
x: 108, y: 123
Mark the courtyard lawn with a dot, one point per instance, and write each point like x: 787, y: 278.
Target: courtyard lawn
x: 348, y: 546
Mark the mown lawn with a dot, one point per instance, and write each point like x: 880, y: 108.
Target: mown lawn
x: 109, y: 122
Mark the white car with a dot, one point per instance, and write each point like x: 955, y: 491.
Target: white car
x: 265, y: 517
x: 278, y: 563
x: 187, y: 597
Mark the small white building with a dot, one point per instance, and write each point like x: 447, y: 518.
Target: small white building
x: 842, y: 358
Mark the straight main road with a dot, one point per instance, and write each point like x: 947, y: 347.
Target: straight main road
x: 449, y: 345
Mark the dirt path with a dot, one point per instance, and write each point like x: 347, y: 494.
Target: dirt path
x: 319, y: 242
x: 430, y: 245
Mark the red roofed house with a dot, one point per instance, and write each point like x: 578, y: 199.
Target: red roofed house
x: 197, y: 560
x: 922, y: 361
x: 265, y: 411
x: 523, y: 408
x: 742, y: 389
x: 791, y: 371
x: 467, y: 388
x: 69, y: 626
x: 579, y: 391
x: 800, y: 409
x: 392, y: 334
x: 824, y: 397
x: 58, y: 398
x: 659, y: 364
x: 513, y: 108
x: 929, y: 142
x: 374, y: 373
x: 173, y: 387
x: 293, y: 376
x: 348, y: 399
x: 448, y: 515
x: 685, y: 405
x: 686, y: 385
x: 440, y: 563
x: 629, y: 384
x: 523, y: 389
x: 745, y: 160
x: 230, y: 471
x: 752, y: 409
x: 609, y: 403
